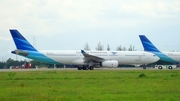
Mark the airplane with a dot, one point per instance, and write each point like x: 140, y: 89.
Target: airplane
x: 172, y: 57
x: 84, y: 59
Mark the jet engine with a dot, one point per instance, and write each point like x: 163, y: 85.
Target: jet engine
x: 109, y: 63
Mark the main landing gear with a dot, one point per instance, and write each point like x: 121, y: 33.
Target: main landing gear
x: 144, y: 66
x: 86, y: 68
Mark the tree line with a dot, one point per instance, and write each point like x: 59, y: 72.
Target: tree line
x: 12, y: 62
x: 100, y: 47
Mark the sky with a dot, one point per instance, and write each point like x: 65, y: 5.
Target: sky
x: 70, y: 24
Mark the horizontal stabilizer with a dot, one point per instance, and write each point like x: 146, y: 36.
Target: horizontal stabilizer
x: 19, y: 52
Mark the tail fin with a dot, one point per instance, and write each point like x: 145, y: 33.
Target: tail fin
x: 24, y: 48
x: 148, y: 46
x: 20, y: 42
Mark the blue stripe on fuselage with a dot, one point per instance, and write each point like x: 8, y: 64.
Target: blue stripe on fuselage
x: 40, y: 57
x: 164, y: 57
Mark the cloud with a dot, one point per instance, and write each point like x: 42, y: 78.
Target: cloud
x: 5, y: 38
x: 115, y: 22
x: 89, y: 14
x: 158, y: 9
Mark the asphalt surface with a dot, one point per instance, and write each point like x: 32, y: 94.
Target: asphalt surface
x: 50, y: 69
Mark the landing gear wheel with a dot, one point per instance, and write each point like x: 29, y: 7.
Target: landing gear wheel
x: 170, y: 67
x: 91, y: 68
x: 160, y: 67
x: 79, y: 68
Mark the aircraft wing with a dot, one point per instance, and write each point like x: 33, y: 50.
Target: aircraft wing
x: 89, y: 57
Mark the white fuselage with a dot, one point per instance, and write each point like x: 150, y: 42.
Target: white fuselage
x: 172, y: 55
x: 123, y: 57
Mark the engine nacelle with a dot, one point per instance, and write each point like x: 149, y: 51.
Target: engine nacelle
x: 109, y: 63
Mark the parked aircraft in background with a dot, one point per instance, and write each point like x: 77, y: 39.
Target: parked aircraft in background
x: 84, y: 59
x: 173, y: 57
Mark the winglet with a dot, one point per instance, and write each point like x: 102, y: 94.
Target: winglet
x: 83, y: 52
x: 20, y: 42
x: 147, y: 44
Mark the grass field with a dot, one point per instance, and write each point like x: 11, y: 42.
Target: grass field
x: 97, y: 85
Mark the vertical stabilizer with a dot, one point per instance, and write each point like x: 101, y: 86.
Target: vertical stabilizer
x: 20, y: 42
x: 147, y: 44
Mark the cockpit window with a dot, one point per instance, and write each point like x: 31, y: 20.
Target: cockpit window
x: 154, y: 55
